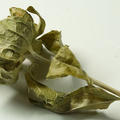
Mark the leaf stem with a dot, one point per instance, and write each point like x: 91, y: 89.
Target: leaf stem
x: 106, y: 87
x: 37, y: 56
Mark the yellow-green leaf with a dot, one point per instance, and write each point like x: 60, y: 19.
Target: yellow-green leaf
x: 65, y: 63
x: 41, y: 26
x: 52, y: 41
x: 17, y: 39
x: 85, y: 98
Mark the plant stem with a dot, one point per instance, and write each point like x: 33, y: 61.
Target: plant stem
x: 37, y: 56
x: 106, y: 87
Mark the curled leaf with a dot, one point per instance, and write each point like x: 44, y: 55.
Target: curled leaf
x: 39, y: 92
x: 85, y: 98
x: 65, y: 63
x: 41, y: 26
x: 38, y: 70
x: 37, y: 46
x: 14, y: 33
x: 23, y: 25
x: 17, y: 39
x: 52, y: 41
x: 9, y: 77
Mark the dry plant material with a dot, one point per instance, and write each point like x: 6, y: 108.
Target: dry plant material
x: 50, y: 58
x: 85, y: 98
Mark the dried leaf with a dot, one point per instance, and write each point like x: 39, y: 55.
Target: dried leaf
x: 38, y: 70
x: 9, y: 77
x: 38, y: 64
x: 41, y: 93
x: 13, y: 33
x: 41, y: 26
x: 52, y: 41
x: 64, y: 63
x: 37, y: 46
x: 17, y: 39
x: 85, y: 98
x: 22, y: 19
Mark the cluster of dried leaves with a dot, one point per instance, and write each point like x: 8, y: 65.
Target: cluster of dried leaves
x: 19, y: 40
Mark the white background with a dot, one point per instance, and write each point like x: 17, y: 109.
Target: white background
x: 92, y: 29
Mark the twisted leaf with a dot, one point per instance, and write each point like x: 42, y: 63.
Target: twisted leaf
x: 17, y: 38
x: 85, y: 98
x: 52, y: 41
x: 65, y: 63
x: 41, y: 26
